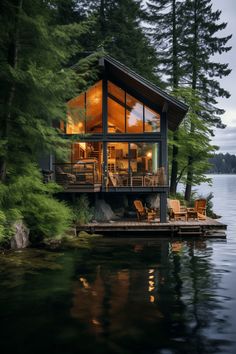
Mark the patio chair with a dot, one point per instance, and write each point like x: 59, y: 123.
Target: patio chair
x: 142, y: 212
x: 176, y: 211
x: 200, y: 208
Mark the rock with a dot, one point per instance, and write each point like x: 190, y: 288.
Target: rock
x: 20, y: 238
x: 153, y: 201
x: 103, y: 211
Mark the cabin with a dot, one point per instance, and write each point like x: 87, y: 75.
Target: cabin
x: 119, y: 128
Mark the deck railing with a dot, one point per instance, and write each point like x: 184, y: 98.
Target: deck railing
x: 81, y: 173
x: 121, y: 179
x: 86, y: 172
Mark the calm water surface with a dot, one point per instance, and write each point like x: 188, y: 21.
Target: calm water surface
x: 125, y: 296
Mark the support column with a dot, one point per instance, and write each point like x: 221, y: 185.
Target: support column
x: 164, y: 162
x: 163, y: 207
x: 104, y: 132
x: 104, y: 167
x: 163, y: 144
x: 154, y: 157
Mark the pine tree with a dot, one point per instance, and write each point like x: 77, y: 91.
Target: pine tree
x: 118, y: 30
x: 201, y: 72
x: 35, y: 84
x: 165, y: 30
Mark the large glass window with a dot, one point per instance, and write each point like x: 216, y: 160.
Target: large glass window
x: 118, y: 164
x: 76, y: 115
x: 84, y: 113
x: 126, y: 114
x: 132, y: 164
x: 94, y: 109
x: 144, y: 158
x: 134, y: 115
x: 152, y: 120
x: 116, y: 109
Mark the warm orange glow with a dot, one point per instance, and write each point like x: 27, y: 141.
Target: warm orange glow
x: 149, y: 154
x: 116, y: 109
x: 116, y: 117
x: 94, y: 108
x: 84, y: 283
x: 76, y: 116
x: 95, y: 322
x: 152, y: 298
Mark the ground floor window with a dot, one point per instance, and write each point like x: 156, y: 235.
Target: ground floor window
x: 132, y: 164
x: 113, y: 164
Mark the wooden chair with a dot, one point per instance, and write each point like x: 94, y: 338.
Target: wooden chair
x: 142, y: 212
x: 177, y: 212
x: 200, y: 208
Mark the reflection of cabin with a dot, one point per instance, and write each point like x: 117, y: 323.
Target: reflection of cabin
x: 119, y: 129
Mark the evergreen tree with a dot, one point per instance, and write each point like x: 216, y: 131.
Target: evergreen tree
x: 35, y: 85
x: 200, y: 152
x: 164, y: 16
x: 118, y: 29
x: 201, y: 72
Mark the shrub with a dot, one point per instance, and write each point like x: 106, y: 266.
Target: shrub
x: 46, y: 217
x: 83, y: 213
x: 26, y: 197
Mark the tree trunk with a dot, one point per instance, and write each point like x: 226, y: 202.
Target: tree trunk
x: 188, y: 188
x: 174, y: 167
x: 7, y: 116
x: 175, y: 82
x: 190, y: 167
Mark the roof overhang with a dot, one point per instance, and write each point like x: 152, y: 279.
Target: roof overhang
x: 175, y: 108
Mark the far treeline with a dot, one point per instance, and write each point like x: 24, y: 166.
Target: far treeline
x: 223, y: 163
x: 170, y: 42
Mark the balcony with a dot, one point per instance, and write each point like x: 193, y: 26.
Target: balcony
x: 82, y: 176
x: 85, y: 176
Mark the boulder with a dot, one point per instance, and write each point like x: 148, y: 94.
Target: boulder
x: 153, y: 201
x: 20, y: 239
x: 103, y: 211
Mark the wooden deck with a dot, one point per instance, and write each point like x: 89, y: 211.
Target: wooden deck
x: 208, y: 228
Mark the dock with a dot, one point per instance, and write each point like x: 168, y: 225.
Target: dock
x: 208, y: 228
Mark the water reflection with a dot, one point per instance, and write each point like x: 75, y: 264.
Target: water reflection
x: 151, y: 296
x: 123, y: 296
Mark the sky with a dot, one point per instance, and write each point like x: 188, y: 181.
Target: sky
x: 226, y: 138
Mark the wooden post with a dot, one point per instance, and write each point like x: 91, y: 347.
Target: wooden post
x: 163, y: 207
x: 104, y: 130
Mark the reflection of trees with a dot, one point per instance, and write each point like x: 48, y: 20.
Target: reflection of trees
x: 148, y: 298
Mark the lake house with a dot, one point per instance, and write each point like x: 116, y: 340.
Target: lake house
x: 119, y: 128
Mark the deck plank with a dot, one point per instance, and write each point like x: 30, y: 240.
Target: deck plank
x: 206, y: 228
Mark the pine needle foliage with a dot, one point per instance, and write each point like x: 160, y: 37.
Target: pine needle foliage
x: 36, y: 81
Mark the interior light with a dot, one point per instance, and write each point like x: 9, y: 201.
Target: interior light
x: 151, y: 298
x: 149, y: 154
x: 96, y: 99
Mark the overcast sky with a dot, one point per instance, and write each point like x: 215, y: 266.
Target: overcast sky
x: 226, y: 138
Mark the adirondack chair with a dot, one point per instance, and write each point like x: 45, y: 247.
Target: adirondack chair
x: 200, y: 207
x: 142, y: 212
x: 176, y: 211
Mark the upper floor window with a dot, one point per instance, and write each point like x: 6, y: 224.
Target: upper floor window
x: 126, y: 114
x: 84, y: 113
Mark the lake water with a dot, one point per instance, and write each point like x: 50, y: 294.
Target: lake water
x: 125, y: 296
